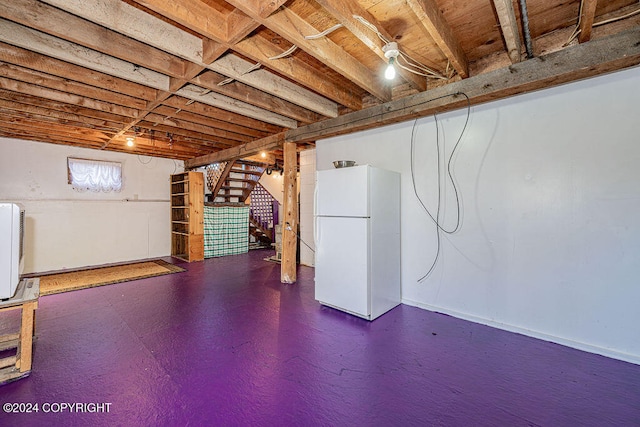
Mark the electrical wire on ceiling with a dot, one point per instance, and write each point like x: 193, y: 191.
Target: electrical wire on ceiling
x: 576, y: 31
x: 323, y: 33
x: 436, y: 218
x: 285, y: 53
x: 254, y: 67
x: 408, y: 63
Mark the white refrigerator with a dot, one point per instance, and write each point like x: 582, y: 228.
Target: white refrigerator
x: 357, y: 236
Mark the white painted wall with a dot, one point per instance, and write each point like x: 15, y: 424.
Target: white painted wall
x: 70, y: 229
x: 550, y: 238
x: 307, y: 192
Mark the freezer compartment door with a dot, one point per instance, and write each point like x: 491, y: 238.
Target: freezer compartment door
x: 342, y: 264
x: 343, y: 192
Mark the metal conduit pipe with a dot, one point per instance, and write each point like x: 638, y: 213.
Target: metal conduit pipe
x: 525, y: 29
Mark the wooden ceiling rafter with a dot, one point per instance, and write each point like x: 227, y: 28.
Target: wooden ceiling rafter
x: 431, y: 18
x: 573, y: 63
x: 196, y: 16
x: 587, y: 17
x: 345, y: 12
x: 80, y: 32
x: 96, y: 11
x: 509, y: 26
x: 293, y: 28
x: 180, y: 69
x: 47, y: 64
x: 211, y: 80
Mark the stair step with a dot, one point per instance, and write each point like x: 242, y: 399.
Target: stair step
x: 241, y: 179
x: 246, y: 172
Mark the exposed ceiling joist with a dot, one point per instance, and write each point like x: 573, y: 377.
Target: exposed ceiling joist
x: 574, y: 63
x: 80, y: 32
x: 174, y: 72
x: 205, y: 96
x: 46, y: 44
x: 294, y: 29
x: 260, y: 50
x: 346, y: 11
x: 587, y: 16
x: 130, y: 21
x: 509, y: 27
x: 428, y: 13
x: 236, y: 68
x: 265, y: 144
x: 56, y: 67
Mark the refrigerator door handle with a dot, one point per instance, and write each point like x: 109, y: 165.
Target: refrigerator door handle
x: 315, y: 214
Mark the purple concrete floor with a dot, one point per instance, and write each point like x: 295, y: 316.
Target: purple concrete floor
x: 226, y: 344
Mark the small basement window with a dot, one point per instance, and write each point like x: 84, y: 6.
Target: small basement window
x: 94, y: 175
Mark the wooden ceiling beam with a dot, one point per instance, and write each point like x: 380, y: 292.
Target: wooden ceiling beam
x: 62, y: 116
x: 587, y: 16
x: 193, y: 14
x: 293, y: 28
x: 46, y: 44
x: 168, y: 112
x: 238, y: 26
x: 205, y: 130
x: 205, y: 96
x: 132, y: 22
x: 429, y: 14
x: 56, y: 67
x: 236, y: 68
x: 509, y: 27
x: 242, y: 92
x: 260, y: 50
x: 245, y: 150
x: 56, y: 95
x: 29, y: 124
x: 171, y: 39
x: 206, y: 141
x: 570, y: 64
x: 57, y: 23
x: 62, y: 107
x: 65, y: 85
x: 573, y: 63
x: 265, y: 8
x: 181, y: 103
x: 345, y: 10
x: 197, y: 16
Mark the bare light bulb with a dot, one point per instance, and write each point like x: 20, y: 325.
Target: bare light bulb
x: 391, y: 52
x: 129, y: 141
x: 390, y: 72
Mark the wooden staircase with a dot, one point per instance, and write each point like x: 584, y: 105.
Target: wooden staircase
x: 231, y: 183
x: 264, y: 237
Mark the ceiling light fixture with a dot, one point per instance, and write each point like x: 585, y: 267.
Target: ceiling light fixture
x: 130, y: 140
x: 391, y: 52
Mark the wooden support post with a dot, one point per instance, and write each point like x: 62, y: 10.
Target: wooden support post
x: 290, y: 223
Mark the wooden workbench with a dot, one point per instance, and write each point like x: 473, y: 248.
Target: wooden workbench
x: 26, y: 299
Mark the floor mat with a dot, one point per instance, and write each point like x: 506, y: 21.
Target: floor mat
x: 74, y: 280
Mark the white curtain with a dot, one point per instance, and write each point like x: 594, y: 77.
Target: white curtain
x: 94, y: 175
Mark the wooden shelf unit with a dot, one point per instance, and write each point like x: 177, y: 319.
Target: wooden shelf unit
x: 187, y: 216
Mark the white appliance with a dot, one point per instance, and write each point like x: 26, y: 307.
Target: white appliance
x: 11, y: 239
x: 357, y: 227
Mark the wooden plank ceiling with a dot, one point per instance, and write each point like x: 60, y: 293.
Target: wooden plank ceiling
x: 207, y: 80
